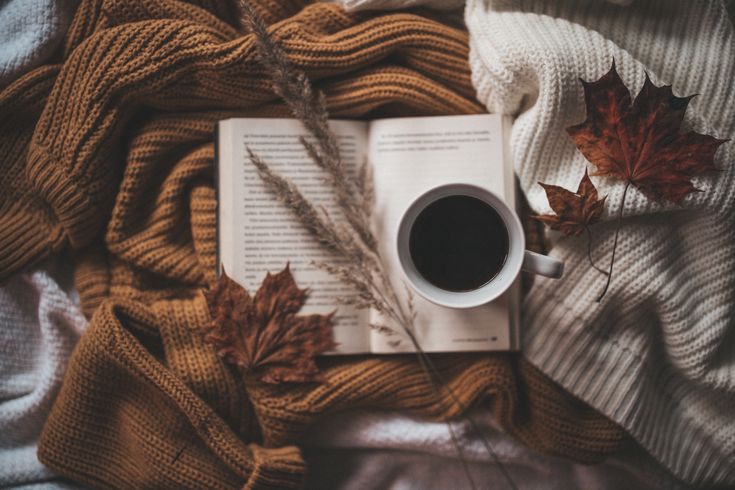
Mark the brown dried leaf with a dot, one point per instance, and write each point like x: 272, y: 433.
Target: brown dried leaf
x: 574, y: 211
x: 639, y: 141
x: 265, y: 334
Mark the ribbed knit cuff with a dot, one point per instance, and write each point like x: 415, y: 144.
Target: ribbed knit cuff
x: 79, y: 216
x: 91, y: 277
x: 26, y: 238
x: 276, y: 468
x: 125, y: 420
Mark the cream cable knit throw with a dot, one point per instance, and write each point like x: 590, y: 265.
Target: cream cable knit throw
x: 39, y: 325
x: 658, y: 355
x: 30, y: 31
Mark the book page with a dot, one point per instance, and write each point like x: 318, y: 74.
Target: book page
x: 258, y: 234
x: 409, y: 156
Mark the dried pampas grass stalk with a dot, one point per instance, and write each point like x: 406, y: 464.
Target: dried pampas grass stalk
x: 362, y: 267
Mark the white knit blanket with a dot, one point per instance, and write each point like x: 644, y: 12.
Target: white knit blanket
x: 40, y: 323
x: 30, y: 32
x: 658, y: 355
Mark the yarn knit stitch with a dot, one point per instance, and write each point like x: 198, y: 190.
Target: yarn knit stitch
x: 39, y: 326
x: 657, y: 355
x: 110, y: 155
x: 30, y: 31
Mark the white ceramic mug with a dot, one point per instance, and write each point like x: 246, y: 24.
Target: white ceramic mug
x: 518, y: 257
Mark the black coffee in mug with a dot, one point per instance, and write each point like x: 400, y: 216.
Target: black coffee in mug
x: 458, y: 243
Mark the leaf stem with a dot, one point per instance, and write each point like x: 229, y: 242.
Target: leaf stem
x: 615, y: 242
x: 589, y: 252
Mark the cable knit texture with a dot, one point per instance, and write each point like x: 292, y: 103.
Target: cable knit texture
x: 30, y: 32
x: 39, y: 326
x: 657, y: 355
x: 109, y: 154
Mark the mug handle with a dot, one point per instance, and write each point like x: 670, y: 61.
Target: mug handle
x: 542, y: 265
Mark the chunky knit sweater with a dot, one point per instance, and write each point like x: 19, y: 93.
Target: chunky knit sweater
x: 658, y: 354
x: 110, y: 155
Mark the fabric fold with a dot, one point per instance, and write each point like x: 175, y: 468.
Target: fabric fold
x: 29, y: 231
x: 40, y: 324
x: 137, y: 424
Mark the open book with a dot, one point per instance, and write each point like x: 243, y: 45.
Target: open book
x: 408, y: 156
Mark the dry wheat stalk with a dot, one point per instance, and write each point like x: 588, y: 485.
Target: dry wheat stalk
x: 363, y: 267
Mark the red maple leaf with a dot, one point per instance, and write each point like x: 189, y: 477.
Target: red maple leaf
x: 574, y: 211
x: 265, y: 334
x: 639, y: 141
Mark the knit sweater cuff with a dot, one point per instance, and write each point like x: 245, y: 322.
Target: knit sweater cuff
x: 71, y: 204
x: 25, y: 237
x: 276, y: 468
x: 117, y: 396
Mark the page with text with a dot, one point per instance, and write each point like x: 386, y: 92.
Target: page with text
x: 410, y: 156
x: 257, y: 233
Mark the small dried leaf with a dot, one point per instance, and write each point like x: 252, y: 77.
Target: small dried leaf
x: 639, y: 141
x: 265, y: 334
x: 574, y: 211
